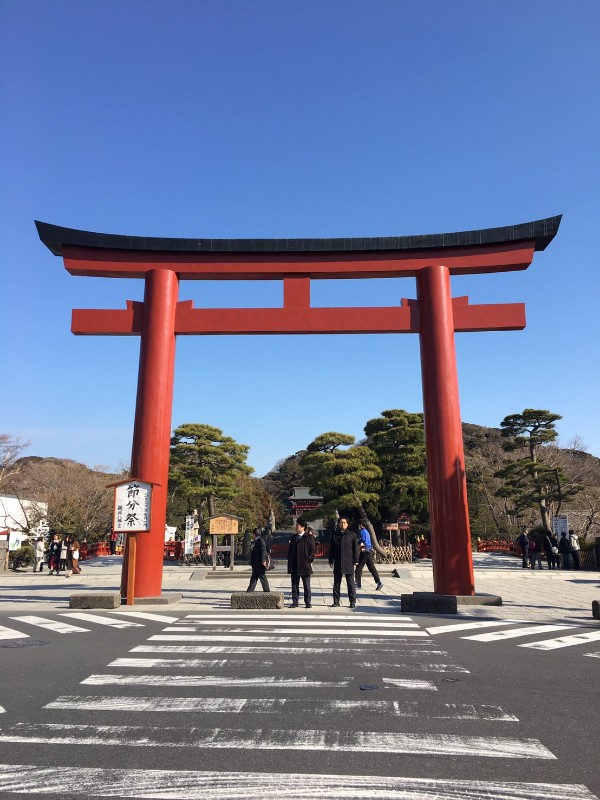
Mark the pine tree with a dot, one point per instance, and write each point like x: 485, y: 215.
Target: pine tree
x: 205, y: 466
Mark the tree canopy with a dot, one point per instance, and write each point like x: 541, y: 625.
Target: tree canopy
x: 205, y: 467
x: 398, y: 439
x: 529, y: 481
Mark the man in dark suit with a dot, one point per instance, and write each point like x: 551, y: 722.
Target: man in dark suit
x: 301, y: 553
x: 343, y: 557
x: 258, y: 560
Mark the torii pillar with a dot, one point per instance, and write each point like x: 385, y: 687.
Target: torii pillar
x: 435, y: 316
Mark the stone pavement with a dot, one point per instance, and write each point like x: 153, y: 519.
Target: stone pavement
x: 537, y: 596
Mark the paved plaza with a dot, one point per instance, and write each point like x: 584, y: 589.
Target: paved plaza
x: 536, y: 595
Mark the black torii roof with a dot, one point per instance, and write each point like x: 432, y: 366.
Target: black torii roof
x: 542, y: 231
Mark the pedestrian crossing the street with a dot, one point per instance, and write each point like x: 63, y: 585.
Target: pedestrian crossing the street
x: 191, y: 707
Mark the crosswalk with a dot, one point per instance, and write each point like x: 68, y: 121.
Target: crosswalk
x: 365, y: 705
x: 25, y: 622
x: 520, y: 629
x: 273, y: 630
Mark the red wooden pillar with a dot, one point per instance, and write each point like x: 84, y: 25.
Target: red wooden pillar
x: 449, y: 514
x: 152, y: 428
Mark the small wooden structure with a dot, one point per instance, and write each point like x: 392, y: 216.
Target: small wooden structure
x: 223, y: 525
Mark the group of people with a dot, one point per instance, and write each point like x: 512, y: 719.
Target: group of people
x: 61, y: 555
x: 349, y: 553
x: 559, y: 553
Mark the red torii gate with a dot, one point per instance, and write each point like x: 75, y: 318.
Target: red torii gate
x: 434, y: 315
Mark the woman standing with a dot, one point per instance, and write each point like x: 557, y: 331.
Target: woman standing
x: 38, y: 555
x: 75, y: 558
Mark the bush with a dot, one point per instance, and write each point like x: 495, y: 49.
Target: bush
x: 22, y: 556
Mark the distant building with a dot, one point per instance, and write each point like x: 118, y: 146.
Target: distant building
x: 301, y: 500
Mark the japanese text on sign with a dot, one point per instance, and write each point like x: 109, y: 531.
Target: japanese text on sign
x: 132, y: 507
x: 219, y: 525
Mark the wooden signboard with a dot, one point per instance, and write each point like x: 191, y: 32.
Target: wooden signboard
x: 223, y: 524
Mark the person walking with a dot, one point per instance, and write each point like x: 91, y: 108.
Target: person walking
x: 258, y: 560
x: 523, y: 542
x: 113, y: 543
x: 555, y: 555
x: 38, y: 554
x: 343, y: 558
x: 535, y: 552
x: 63, y: 553
x: 54, y: 555
x: 564, y: 550
x: 301, y: 553
x: 574, y: 548
x: 547, y: 545
x: 365, y: 557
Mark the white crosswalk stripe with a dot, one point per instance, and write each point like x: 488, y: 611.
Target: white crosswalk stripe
x: 51, y: 624
x: 147, y: 615
x: 231, y: 738
x: 140, y: 784
x: 187, y: 637
x: 467, y: 626
x: 564, y: 641
x: 298, y: 623
x: 100, y: 620
x: 206, y: 681
x: 212, y: 663
x: 513, y: 633
x: 10, y: 633
x: 227, y: 705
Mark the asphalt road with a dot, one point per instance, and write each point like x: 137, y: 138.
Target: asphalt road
x: 294, y: 704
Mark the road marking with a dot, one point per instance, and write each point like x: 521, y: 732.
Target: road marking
x: 114, y: 623
x: 466, y: 626
x: 193, y: 618
x: 564, y: 641
x: 315, y: 634
x: 262, y: 649
x: 136, y: 784
x: 171, y: 663
x: 212, y: 680
x: 228, y: 705
x: 9, y: 633
x: 289, y: 623
x: 2, y: 710
x: 51, y: 624
x: 513, y: 633
x: 258, y: 739
x: 147, y: 615
x: 592, y: 655
x: 408, y: 683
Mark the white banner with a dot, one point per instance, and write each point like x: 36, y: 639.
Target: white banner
x: 132, y: 507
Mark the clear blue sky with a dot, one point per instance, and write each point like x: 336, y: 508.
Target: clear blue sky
x: 285, y: 118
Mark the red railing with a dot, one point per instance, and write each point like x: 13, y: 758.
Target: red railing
x: 497, y: 546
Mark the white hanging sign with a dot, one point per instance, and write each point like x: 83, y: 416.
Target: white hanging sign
x: 132, y: 507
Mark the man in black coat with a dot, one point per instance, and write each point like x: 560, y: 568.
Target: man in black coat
x: 258, y: 560
x: 343, y: 557
x: 301, y: 553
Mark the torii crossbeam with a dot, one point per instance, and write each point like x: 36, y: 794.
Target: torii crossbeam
x: 434, y: 315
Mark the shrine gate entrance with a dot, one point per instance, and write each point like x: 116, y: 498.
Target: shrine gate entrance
x: 434, y: 315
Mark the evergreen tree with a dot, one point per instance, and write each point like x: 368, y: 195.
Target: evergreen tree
x: 398, y: 439
x: 348, y: 479
x: 528, y: 481
x: 205, y: 467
